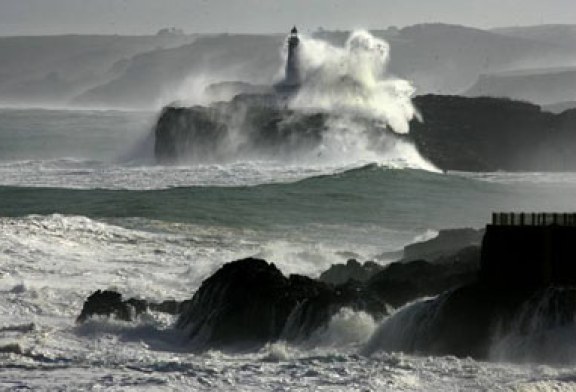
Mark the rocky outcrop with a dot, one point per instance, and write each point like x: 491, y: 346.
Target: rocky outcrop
x: 249, y: 126
x: 423, y: 268
x: 444, y: 244
x: 352, y: 270
x: 484, y: 322
x: 249, y: 302
x: 110, y: 304
x: 456, y: 133
x: 402, y: 282
x: 491, y: 134
x: 520, y: 306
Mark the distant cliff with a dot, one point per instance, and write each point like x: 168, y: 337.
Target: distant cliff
x: 490, y: 134
x: 54, y: 69
x: 543, y: 87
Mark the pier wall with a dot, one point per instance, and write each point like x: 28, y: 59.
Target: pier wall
x: 528, y: 256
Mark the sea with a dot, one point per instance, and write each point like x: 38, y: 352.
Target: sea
x: 84, y: 206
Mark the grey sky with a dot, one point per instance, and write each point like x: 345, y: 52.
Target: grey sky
x: 147, y: 16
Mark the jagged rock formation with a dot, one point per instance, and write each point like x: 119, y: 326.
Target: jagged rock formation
x: 450, y: 247
x: 403, y: 282
x: 479, y: 312
x: 352, y: 270
x: 109, y: 303
x: 249, y: 302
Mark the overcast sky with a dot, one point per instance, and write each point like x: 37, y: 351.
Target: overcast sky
x: 32, y: 17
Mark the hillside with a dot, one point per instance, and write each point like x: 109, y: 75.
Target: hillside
x: 160, y: 76
x: 556, y: 34
x: 52, y: 69
x: 437, y: 58
x: 541, y: 87
x: 148, y: 72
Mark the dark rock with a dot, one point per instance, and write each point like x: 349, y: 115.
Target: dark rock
x: 456, y: 133
x: 249, y: 302
x: 491, y: 134
x: 109, y: 303
x: 444, y: 244
x: 402, y: 282
x: 471, y: 320
x: 352, y: 270
x: 249, y: 125
x: 520, y: 306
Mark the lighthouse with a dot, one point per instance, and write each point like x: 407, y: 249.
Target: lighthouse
x: 292, y: 78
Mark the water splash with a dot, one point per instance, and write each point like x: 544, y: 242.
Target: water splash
x: 543, y: 330
x: 353, y: 81
x: 367, y: 107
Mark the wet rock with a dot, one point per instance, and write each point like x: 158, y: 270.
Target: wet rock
x: 446, y: 243
x: 457, y: 133
x: 352, y: 270
x: 109, y: 303
x: 402, y: 282
x: 492, y: 134
x: 209, y: 134
x: 249, y: 302
x: 474, y: 320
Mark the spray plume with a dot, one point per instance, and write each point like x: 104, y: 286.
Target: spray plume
x: 352, y: 80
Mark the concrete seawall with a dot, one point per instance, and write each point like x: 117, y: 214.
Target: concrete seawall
x: 529, y: 251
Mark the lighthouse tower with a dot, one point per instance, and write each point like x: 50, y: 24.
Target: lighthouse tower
x: 292, y: 78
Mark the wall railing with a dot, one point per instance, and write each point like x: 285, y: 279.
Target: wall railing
x: 533, y: 219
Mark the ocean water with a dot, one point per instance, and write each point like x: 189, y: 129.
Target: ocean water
x: 83, y: 207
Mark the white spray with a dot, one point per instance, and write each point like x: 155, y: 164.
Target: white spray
x: 351, y: 84
x: 353, y: 80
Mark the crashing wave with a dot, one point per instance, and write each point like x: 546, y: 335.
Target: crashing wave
x: 335, y: 104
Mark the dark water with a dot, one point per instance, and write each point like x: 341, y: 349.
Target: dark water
x: 371, y: 195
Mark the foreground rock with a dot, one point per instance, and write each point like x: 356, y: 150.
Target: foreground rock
x: 521, y: 306
x: 110, y: 304
x: 249, y: 302
x: 425, y: 268
x: 403, y: 282
x: 485, y: 323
